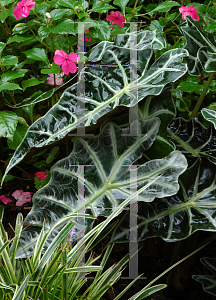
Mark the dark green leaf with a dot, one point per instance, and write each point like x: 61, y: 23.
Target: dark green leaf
x: 9, y: 60
x: 65, y: 26
x: 102, y: 31
x: 13, y: 75
x: 57, y: 14
x: 8, y: 124
x: 9, y: 86
x: 19, y: 134
x: 31, y: 82
x: 177, y: 217
x: 102, y: 8
x: 37, y: 54
x: 165, y: 6
x: 6, y: 13
x: 193, y: 139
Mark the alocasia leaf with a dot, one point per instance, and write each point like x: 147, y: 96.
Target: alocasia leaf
x: 105, y: 89
x: 161, y: 106
x: 106, y: 159
x: 177, y: 217
x: 208, y: 281
x: 193, y: 139
x: 201, y: 46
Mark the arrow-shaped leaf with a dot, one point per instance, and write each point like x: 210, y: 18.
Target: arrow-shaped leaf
x: 177, y: 217
x: 107, y: 159
x: 105, y: 89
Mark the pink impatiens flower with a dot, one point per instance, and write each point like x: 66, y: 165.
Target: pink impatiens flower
x: 23, y: 8
x: 58, y: 79
x: 41, y: 175
x: 116, y: 18
x: 5, y: 200
x: 88, y: 39
x: 191, y: 11
x: 22, y: 197
x: 66, y: 60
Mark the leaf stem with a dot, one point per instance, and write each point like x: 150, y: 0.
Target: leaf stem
x: 202, y: 96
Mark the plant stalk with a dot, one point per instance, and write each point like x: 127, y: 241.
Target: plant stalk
x: 202, y: 96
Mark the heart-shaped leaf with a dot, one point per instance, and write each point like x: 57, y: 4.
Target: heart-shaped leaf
x: 105, y: 89
x: 193, y: 139
x: 177, y: 217
x: 201, y: 46
x: 209, y: 115
x: 107, y: 159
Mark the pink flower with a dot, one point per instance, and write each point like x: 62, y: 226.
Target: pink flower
x: 5, y: 200
x: 23, y: 8
x: 66, y: 60
x: 191, y: 11
x: 58, y: 79
x: 116, y: 18
x: 41, y: 175
x: 22, y: 197
x: 88, y: 39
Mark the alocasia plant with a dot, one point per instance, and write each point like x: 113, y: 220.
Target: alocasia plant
x: 107, y: 158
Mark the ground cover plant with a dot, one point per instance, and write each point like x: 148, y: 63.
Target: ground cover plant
x: 87, y: 100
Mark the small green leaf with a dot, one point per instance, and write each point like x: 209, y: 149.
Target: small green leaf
x: 57, y: 14
x: 21, y: 28
x: 65, y: 26
x: 5, y: 2
x: 20, y: 38
x: 8, y: 124
x: 40, y: 164
x: 102, y: 32
x: 67, y: 3
x: 37, y: 54
x: 6, y: 13
x: 165, y: 6
x: 55, y: 69
x: 2, y: 45
x: 102, y: 7
x: 31, y: 82
x: 22, y: 121
x: 122, y: 4
x: 9, y: 86
x: 19, y: 134
x: 42, y: 8
x: 52, y: 154
x: 9, y: 60
x: 43, y: 31
x: 41, y: 183
x: 9, y: 178
x: 13, y: 75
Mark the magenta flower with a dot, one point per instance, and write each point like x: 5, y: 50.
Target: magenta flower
x: 191, y: 11
x: 41, y: 175
x: 116, y: 18
x: 23, y: 8
x: 58, y: 79
x: 88, y: 39
x: 22, y: 197
x: 5, y: 200
x: 66, y: 60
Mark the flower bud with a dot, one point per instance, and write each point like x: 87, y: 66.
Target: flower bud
x: 48, y: 15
